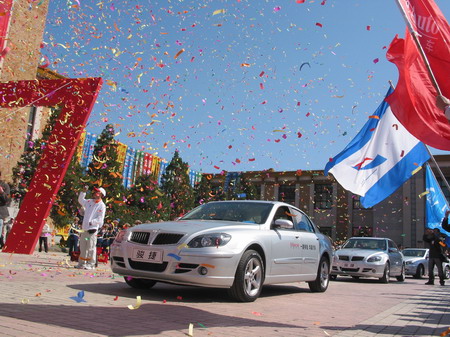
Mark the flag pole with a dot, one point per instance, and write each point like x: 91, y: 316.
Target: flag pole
x: 431, y: 156
x: 414, y: 34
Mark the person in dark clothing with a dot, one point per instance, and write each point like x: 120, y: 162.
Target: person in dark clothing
x: 433, y: 238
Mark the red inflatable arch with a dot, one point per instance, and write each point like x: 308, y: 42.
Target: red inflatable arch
x: 76, y: 97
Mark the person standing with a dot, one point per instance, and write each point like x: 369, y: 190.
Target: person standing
x: 432, y: 237
x: 43, y: 239
x: 94, y: 215
x: 72, y: 241
x: 4, y: 202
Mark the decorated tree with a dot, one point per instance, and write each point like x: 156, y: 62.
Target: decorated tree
x: 65, y: 207
x: 176, y: 185
x: 26, y: 166
x: 105, y: 171
x: 146, y: 202
x: 203, y: 191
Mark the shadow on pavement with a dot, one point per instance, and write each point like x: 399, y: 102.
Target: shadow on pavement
x: 149, y: 319
x: 439, y: 315
x: 162, y: 291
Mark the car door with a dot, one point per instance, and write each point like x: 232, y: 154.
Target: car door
x: 395, y: 257
x: 285, y: 247
x: 309, y: 244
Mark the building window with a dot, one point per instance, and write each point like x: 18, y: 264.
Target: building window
x: 286, y: 193
x: 362, y: 231
x: 31, y: 126
x: 323, y: 196
x: 326, y: 231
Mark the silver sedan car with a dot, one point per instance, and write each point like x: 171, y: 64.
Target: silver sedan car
x: 239, y: 245
x: 369, y: 257
x: 416, y: 260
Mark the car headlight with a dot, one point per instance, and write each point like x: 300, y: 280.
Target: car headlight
x: 210, y: 240
x: 374, y: 258
x: 120, y: 236
x: 409, y: 262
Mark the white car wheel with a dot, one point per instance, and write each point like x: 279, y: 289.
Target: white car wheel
x: 385, y: 278
x: 249, y: 277
x: 320, y: 284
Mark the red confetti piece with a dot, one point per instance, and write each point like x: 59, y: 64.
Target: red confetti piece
x: 216, y: 167
x: 319, y: 24
x: 300, y: 1
x: 179, y: 298
x: 116, y: 298
x: 299, y: 135
x: 307, y: 115
x: 261, y: 74
x: 252, y: 159
x: 261, y: 85
x: 402, y: 154
x: 368, y: 27
x: 376, y: 60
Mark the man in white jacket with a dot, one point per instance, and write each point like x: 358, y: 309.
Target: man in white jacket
x: 94, y: 215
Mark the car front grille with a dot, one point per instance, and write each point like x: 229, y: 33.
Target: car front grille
x: 357, y: 258
x: 140, y: 237
x: 167, y: 239
x: 143, y: 238
x: 344, y: 258
x: 156, y: 267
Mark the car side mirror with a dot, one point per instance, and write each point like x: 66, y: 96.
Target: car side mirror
x: 393, y: 250
x: 284, y: 224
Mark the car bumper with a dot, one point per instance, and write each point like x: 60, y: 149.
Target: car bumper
x: 410, y: 269
x: 208, y: 268
x: 358, y: 269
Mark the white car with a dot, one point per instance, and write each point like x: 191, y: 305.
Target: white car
x: 416, y: 260
x: 369, y: 257
x: 239, y: 245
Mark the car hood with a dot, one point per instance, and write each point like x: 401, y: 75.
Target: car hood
x: 192, y: 226
x: 358, y: 252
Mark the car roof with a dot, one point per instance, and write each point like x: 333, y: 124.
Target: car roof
x: 254, y: 201
x: 368, y: 237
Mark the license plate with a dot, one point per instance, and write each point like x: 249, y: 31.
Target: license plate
x: 351, y: 265
x: 146, y: 255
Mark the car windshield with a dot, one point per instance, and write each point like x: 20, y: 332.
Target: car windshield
x: 414, y: 252
x: 251, y: 212
x: 365, y: 244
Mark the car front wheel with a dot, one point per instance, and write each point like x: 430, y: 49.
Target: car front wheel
x: 249, y: 277
x: 139, y: 283
x: 402, y: 276
x: 385, y: 278
x: 447, y: 272
x: 320, y: 284
x: 420, y: 271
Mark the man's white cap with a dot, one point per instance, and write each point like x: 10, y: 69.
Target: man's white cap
x: 101, y: 190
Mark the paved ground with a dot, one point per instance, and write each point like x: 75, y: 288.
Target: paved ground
x: 43, y: 295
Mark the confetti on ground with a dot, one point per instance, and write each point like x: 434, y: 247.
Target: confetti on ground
x: 138, y: 303
x: 79, y: 298
x: 191, y: 329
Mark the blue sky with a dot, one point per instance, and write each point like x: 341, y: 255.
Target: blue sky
x: 233, y: 85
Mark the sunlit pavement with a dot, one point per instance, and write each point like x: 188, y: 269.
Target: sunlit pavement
x: 43, y: 295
